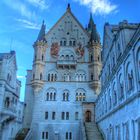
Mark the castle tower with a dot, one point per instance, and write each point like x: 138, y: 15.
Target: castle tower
x: 38, y: 74
x: 95, y: 56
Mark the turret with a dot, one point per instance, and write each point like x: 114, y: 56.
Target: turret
x: 94, y: 56
x: 38, y: 72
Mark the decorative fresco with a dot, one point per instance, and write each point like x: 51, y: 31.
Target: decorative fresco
x: 55, y: 49
x: 80, y: 50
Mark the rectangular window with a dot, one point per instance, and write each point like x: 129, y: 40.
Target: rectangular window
x: 43, y: 135
x: 63, y: 115
x: 53, y: 115
x: 66, y: 135
x: 67, y: 115
x: 70, y: 136
x: 46, y: 135
x: 46, y: 115
x: 76, y: 115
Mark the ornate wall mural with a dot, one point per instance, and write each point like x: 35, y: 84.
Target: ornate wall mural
x: 79, y: 50
x: 55, y: 49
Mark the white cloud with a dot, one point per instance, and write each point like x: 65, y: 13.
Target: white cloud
x: 28, y: 24
x: 20, y: 7
x: 102, y: 7
x: 20, y: 77
x: 42, y: 4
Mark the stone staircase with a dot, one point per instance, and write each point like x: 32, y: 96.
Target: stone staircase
x: 22, y: 134
x: 92, y: 131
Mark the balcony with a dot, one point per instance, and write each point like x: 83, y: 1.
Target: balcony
x: 10, y: 111
x: 69, y: 64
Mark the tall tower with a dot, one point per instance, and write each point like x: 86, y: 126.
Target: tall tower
x: 95, y: 56
x: 38, y: 72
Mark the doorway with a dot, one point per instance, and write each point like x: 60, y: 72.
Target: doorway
x: 88, y: 116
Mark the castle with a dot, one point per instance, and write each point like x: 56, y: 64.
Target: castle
x: 80, y: 90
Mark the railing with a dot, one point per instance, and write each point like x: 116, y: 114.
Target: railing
x: 29, y: 135
x: 83, y: 131
x: 66, y: 62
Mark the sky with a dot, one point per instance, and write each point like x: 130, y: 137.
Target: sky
x: 20, y: 21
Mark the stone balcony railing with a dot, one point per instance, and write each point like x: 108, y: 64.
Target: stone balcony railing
x: 70, y: 64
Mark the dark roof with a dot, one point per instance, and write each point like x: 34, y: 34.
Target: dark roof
x: 92, y: 29
x: 41, y: 35
x: 6, y: 55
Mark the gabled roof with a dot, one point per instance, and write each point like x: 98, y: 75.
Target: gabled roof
x: 10, y: 56
x: 68, y: 11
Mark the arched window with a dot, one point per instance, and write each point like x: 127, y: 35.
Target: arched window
x: 72, y: 57
x: 138, y: 63
x: 8, y: 77
x: 40, y: 76
x: 98, y: 58
x: 61, y: 43
x: 55, y: 77
x: 7, y: 102
x: 64, y: 43
x: 66, y: 95
x: 49, y: 77
x: 91, y: 58
x: 91, y: 76
x: 80, y: 95
x: 74, y: 43
x: 67, y: 115
x: 67, y: 136
x: 63, y: 116
x: 76, y: 115
x: 33, y: 76
x: 54, y: 96
x: 77, y: 97
x: 67, y: 57
x: 115, y: 97
x: 121, y: 90
x: 113, y: 61
x: 110, y: 102
x: 51, y: 95
x: 70, y: 136
x: 47, y: 97
x: 130, y: 80
x: 84, y: 96
x: 42, y: 57
x: 70, y: 43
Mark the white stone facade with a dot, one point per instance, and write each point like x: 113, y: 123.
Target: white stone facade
x: 60, y: 87
x: 11, y: 108
x: 118, y: 105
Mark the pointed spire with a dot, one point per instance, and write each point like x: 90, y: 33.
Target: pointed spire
x: 91, y: 22
x: 41, y: 35
x: 92, y: 30
x: 94, y: 35
x: 68, y: 7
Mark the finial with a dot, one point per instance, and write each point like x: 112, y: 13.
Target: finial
x: 68, y: 7
x: 43, y: 22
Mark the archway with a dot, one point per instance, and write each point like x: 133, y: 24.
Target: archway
x: 88, y: 116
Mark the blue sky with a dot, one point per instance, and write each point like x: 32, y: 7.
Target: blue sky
x: 20, y: 21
